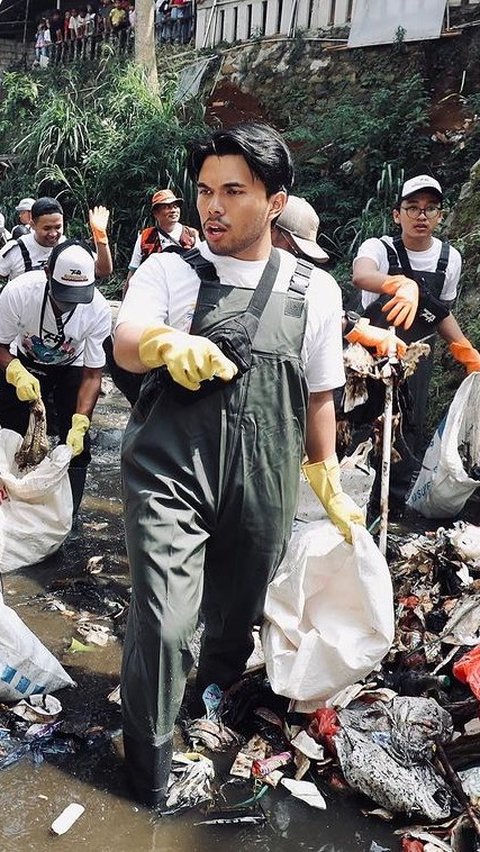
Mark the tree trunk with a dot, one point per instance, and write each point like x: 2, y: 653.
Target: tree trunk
x: 145, y: 40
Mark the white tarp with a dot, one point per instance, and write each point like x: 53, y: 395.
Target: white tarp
x: 377, y: 21
x: 191, y: 79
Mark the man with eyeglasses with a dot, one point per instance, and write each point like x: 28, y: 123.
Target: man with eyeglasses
x: 296, y: 231
x: 410, y: 280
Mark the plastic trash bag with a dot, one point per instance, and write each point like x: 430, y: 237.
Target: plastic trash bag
x: 467, y: 670
x: 26, y: 666
x: 190, y: 780
x: 329, y: 614
x: 443, y: 486
x: 36, y: 516
x: 385, y: 752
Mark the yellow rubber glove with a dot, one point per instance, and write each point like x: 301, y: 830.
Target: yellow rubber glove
x: 464, y: 352
x: 188, y: 358
x: 376, y: 338
x: 402, y: 308
x: 27, y: 386
x: 80, y: 425
x: 324, y: 479
x: 98, y: 220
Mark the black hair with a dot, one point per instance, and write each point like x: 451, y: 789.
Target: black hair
x: 260, y: 145
x: 45, y: 207
x: 52, y: 259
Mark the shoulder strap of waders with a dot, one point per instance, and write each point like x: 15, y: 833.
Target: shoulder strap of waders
x: 204, y: 268
x: 444, y: 258
x: 301, y: 276
x: 208, y: 274
x: 392, y: 257
x: 25, y: 255
x: 402, y: 255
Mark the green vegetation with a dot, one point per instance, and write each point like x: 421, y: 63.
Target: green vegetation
x: 357, y: 121
x: 341, y: 149
x: 95, y: 135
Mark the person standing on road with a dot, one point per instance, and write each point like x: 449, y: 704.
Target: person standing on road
x: 243, y: 348
x: 411, y: 280
x: 52, y: 325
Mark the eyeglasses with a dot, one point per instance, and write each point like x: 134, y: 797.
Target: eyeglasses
x: 414, y: 212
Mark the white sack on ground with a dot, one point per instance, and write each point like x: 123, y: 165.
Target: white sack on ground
x: 26, y: 666
x: 37, y: 516
x: 443, y: 486
x: 329, y: 614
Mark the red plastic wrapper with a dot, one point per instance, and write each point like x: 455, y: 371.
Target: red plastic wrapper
x: 263, y: 767
x: 325, y: 722
x: 467, y: 670
x: 410, y: 845
x: 410, y: 602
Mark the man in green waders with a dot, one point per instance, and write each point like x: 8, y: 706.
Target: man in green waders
x: 243, y: 344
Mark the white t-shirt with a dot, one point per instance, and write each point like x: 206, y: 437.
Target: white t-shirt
x: 11, y: 258
x: 164, y: 290
x: 420, y: 261
x: 22, y: 325
x: 136, y: 257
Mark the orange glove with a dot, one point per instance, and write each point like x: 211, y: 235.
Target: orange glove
x: 463, y: 351
x: 98, y: 220
x: 377, y: 338
x: 403, y: 306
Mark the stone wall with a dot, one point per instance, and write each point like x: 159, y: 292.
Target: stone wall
x: 12, y: 54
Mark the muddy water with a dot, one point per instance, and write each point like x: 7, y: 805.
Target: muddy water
x: 32, y: 795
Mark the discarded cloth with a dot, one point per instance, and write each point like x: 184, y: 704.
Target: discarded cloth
x: 190, y: 780
x: 386, y: 751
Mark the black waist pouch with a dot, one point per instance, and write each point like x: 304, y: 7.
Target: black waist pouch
x: 234, y: 340
x: 234, y: 337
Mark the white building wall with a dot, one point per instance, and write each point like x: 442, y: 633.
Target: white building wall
x: 272, y: 16
x: 320, y: 17
x: 257, y: 18
x: 302, y: 14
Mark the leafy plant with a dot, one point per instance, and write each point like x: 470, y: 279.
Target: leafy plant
x: 97, y: 138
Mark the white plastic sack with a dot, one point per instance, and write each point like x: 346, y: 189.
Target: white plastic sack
x: 26, y: 666
x: 442, y: 487
x: 329, y: 614
x: 36, y: 517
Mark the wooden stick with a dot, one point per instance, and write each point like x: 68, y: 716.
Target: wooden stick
x: 457, y: 786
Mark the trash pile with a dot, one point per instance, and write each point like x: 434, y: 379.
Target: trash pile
x: 405, y: 740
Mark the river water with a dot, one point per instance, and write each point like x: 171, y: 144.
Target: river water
x: 33, y: 795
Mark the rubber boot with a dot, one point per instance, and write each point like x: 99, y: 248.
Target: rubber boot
x: 148, y: 769
x: 77, y: 476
